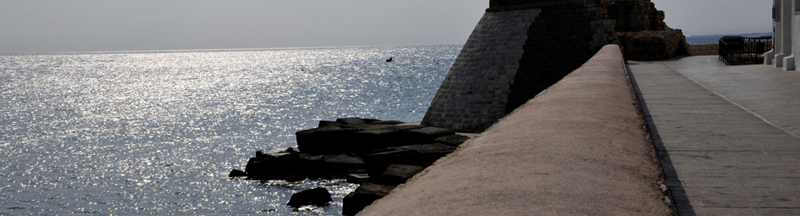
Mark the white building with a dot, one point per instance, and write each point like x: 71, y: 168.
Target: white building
x: 785, y: 35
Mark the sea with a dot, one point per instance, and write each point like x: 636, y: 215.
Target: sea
x: 713, y: 39
x: 157, y: 132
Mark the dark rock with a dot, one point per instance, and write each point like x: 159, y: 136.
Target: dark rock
x: 407, y: 127
x: 282, y: 166
x: 420, y: 155
x: 370, y: 140
x: 452, y: 140
x: 369, y: 120
x: 357, y: 178
x: 327, y: 140
x: 274, y: 153
x: 342, y: 164
x: 315, y: 197
x: 329, y: 124
x: 389, y: 122
x: 427, y: 134
x: 343, y: 160
x: 352, y: 121
x: 313, y: 167
x: 363, y: 196
x: 399, y: 173
x: 237, y: 173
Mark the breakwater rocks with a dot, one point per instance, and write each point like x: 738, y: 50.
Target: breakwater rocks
x: 376, y: 154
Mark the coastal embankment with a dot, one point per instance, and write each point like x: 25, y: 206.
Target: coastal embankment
x: 704, y: 49
x: 579, y: 147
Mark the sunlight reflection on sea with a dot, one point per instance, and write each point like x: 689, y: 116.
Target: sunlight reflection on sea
x: 158, y: 132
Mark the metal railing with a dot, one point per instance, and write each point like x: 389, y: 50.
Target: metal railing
x: 736, y: 50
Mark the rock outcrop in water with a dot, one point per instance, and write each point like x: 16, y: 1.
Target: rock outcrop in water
x: 376, y: 154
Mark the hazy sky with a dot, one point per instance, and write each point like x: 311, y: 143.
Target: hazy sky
x: 33, y: 26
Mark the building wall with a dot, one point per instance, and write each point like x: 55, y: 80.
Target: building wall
x: 795, y: 27
x: 785, y: 35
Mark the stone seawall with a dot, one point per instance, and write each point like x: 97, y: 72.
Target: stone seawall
x: 578, y: 148
x: 704, y: 49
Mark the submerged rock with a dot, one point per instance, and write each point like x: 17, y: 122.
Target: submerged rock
x: 315, y: 197
x: 237, y: 173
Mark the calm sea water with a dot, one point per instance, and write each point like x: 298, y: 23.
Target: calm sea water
x: 158, y: 132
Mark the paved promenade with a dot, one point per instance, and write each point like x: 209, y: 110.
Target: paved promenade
x: 729, y: 136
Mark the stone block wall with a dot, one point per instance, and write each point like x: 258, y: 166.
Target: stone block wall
x: 474, y: 94
x: 561, y: 40
x: 518, y: 49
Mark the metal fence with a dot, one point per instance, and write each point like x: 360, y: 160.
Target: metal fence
x: 736, y: 50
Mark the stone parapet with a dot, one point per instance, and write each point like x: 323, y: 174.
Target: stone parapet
x: 578, y: 148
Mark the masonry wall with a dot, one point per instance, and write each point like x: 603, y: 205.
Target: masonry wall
x: 475, y: 92
x: 518, y: 49
x: 557, y: 45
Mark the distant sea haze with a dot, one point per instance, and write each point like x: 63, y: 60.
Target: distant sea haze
x: 712, y: 39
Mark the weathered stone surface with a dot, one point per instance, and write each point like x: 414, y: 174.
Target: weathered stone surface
x: 398, y: 173
x: 653, y: 45
x: 313, y: 167
x: 327, y: 140
x: 370, y: 140
x: 427, y: 134
x: 363, y: 196
x: 329, y: 124
x: 237, y: 173
x: 522, y: 47
x: 408, y: 127
x: 316, y: 197
x: 337, y: 150
x: 704, y: 49
x: 340, y: 165
x: 641, y: 30
x: 353, y: 121
x: 274, y: 153
x: 281, y: 168
x: 633, y: 15
x: 420, y: 155
x: 388, y: 122
x: 452, y: 140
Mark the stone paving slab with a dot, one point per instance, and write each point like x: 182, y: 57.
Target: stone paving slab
x: 729, y: 134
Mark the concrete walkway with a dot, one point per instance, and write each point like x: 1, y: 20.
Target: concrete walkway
x: 728, y: 136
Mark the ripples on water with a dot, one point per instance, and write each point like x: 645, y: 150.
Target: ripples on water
x: 157, y: 133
